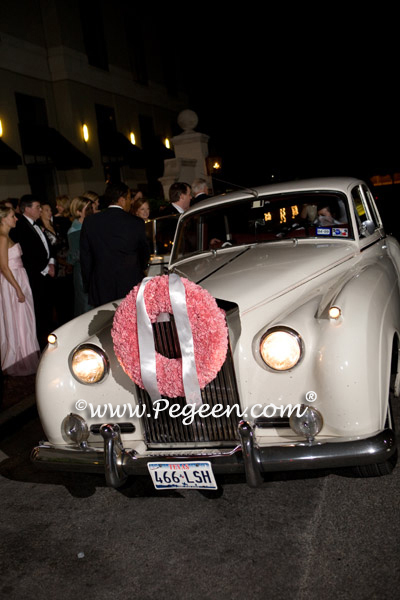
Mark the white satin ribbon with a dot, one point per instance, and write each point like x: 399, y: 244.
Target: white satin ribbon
x: 189, y: 374
x: 147, y: 350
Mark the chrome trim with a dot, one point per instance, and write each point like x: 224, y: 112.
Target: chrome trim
x: 250, y: 455
x: 124, y: 428
x: 118, y: 463
x: 113, y: 451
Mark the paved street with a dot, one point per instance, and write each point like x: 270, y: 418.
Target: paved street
x: 304, y: 535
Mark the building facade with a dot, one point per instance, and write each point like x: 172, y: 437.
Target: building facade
x: 89, y: 91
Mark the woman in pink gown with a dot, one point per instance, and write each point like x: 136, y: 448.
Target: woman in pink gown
x: 19, y: 348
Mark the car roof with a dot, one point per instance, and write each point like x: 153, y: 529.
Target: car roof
x: 340, y: 184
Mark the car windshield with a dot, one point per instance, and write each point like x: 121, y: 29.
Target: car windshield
x: 264, y: 219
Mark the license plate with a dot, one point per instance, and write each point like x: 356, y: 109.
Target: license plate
x: 174, y: 475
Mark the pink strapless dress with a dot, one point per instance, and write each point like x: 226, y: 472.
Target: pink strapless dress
x: 19, y: 348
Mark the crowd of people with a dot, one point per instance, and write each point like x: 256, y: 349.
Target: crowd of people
x: 58, y: 263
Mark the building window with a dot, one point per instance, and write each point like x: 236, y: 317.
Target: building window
x: 31, y: 110
x: 136, y: 52
x: 106, y: 127
x: 93, y: 33
x: 169, y: 60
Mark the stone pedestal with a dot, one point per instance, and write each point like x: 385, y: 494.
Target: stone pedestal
x: 191, y: 151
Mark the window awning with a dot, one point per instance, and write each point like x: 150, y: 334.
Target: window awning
x: 43, y: 145
x: 9, y: 159
x: 116, y: 148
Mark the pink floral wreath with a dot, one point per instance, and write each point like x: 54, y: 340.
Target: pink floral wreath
x: 209, y: 331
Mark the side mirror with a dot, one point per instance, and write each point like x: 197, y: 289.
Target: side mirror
x: 367, y: 228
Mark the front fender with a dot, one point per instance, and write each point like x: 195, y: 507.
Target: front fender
x: 355, y: 351
x: 346, y: 362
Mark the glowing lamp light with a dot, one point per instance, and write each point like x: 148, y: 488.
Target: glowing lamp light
x: 85, y: 132
x: 52, y: 339
x: 132, y: 138
x: 281, y: 349
x: 214, y: 163
x: 1, y: 128
x: 334, y: 312
x: 167, y: 143
x: 89, y: 364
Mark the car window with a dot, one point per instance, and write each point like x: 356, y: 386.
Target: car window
x: 264, y: 219
x: 160, y: 234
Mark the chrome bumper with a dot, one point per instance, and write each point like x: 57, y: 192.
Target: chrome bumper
x: 117, y: 463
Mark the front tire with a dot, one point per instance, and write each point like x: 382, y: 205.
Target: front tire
x: 378, y: 470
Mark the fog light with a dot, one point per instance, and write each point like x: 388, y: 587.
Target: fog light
x: 75, y: 429
x: 309, y: 424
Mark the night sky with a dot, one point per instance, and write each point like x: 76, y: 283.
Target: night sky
x: 296, y: 94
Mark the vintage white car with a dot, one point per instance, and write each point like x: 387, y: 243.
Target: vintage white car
x: 276, y: 349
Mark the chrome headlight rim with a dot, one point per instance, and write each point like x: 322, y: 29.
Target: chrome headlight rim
x: 287, y: 330
x: 100, y: 352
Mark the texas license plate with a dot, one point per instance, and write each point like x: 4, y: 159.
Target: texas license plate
x: 174, y: 475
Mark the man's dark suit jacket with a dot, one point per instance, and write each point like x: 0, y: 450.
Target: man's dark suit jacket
x: 199, y: 198
x: 34, y: 255
x: 114, y: 253
x: 168, y: 210
x: 35, y: 260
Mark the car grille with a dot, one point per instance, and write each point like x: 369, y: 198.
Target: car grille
x: 212, y: 431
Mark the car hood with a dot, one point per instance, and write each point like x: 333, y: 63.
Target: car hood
x: 254, y: 274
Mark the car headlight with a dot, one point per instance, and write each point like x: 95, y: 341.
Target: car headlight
x: 89, y: 364
x: 281, y: 348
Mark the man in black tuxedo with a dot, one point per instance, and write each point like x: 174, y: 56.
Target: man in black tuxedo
x: 199, y: 190
x: 39, y: 263
x: 180, y: 195
x: 113, y: 248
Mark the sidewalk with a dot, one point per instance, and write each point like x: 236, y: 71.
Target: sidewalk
x: 18, y: 397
